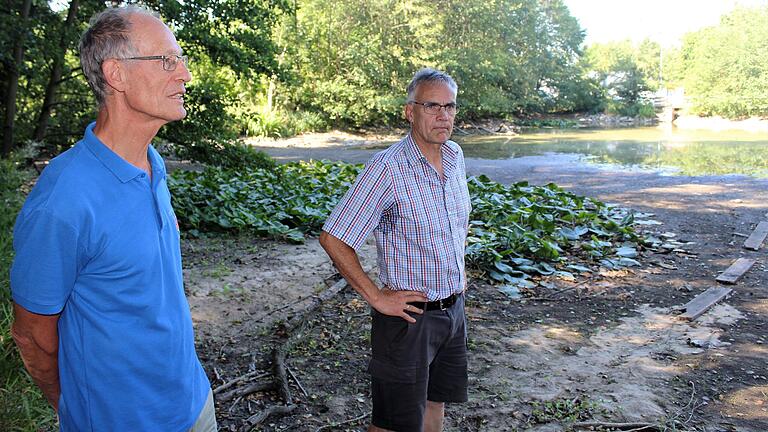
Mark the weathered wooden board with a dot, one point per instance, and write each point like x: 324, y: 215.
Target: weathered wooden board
x: 735, y: 271
x: 702, y: 302
x: 756, y: 238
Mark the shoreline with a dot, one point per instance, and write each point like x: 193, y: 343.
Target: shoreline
x: 497, y: 127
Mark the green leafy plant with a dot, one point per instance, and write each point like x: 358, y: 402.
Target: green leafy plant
x: 287, y: 201
x: 520, y: 230
x: 562, y: 410
x: 515, y: 231
x: 264, y: 123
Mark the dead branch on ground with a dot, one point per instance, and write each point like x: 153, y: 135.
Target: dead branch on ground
x: 290, y: 332
x: 620, y: 426
x: 352, y: 420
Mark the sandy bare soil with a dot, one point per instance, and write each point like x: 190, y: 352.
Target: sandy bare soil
x: 606, y: 348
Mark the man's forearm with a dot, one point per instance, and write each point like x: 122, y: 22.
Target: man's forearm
x: 42, y: 367
x: 394, y: 303
x: 348, y: 265
x: 37, y: 339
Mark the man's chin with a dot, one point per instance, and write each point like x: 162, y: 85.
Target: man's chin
x: 182, y: 114
x: 443, y: 136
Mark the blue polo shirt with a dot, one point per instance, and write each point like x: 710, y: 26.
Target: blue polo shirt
x: 98, y: 242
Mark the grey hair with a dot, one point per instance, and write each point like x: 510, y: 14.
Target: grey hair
x: 429, y: 75
x: 107, y: 36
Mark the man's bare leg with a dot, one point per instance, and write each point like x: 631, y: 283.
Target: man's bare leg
x: 433, y: 416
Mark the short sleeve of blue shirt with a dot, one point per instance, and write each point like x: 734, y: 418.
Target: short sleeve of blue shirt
x: 46, y: 263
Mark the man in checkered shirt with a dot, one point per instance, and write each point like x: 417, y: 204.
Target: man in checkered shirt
x: 414, y: 198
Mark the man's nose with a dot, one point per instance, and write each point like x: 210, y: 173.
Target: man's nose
x: 442, y: 113
x: 184, y: 74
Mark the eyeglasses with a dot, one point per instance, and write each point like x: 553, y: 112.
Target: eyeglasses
x: 170, y: 62
x: 434, y: 108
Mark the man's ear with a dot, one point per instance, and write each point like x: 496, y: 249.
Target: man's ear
x: 115, y: 74
x: 408, y: 112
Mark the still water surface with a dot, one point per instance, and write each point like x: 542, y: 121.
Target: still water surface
x: 672, y: 151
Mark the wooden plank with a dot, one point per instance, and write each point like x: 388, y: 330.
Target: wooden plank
x: 758, y: 235
x: 735, y: 271
x: 702, y: 302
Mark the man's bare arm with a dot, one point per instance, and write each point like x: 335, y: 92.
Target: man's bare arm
x: 37, y: 337
x: 388, y: 302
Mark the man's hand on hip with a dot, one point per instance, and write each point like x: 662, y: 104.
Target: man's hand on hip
x: 395, y: 303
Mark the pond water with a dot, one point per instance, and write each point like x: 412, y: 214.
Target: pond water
x: 667, y: 150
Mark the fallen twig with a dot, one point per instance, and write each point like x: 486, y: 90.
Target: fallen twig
x: 620, y: 426
x: 256, y: 419
x: 241, y: 378
x: 296, y: 380
x: 281, y: 378
x: 278, y: 309
x: 352, y: 420
x: 461, y: 131
x: 245, y: 391
x: 551, y: 296
x: 234, y: 404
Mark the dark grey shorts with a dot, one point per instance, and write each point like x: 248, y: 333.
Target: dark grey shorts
x: 413, y: 363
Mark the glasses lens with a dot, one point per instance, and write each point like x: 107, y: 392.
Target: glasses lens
x: 433, y: 108
x: 170, y: 62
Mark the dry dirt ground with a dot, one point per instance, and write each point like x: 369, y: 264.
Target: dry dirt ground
x: 607, y: 348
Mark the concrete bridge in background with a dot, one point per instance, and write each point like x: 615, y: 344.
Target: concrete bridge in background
x: 669, y: 102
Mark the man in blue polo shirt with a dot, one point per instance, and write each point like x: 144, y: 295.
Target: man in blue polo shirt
x: 101, y: 319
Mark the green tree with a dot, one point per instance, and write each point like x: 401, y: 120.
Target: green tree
x: 622, y: 69
x: 725, y: 67
x: 11, y: 69
x: 351, y: 60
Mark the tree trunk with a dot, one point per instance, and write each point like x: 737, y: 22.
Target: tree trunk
x: 13, y: 79
x: 56, y: 69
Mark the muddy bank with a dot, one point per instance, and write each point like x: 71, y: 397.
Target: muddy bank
x: 716, y: 123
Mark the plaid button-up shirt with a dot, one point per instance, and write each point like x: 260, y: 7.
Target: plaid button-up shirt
x: 419, y: 219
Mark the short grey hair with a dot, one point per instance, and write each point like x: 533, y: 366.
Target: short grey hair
x: 107, y: 36
x: 429, y: 75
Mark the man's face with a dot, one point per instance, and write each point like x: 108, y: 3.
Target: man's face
x: 431, y: 129
x: 152, y: 93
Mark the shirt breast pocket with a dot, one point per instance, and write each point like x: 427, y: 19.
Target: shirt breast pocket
x: 419, y: 219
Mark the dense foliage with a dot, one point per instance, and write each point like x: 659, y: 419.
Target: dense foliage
x: 724, y: 68
x: 351, y: 60
x: 286, y: 202
x: 47, y: 99
x: 229, y: 154
x: 515, y: 230
x: 625, y: 72
x: 279, y: 67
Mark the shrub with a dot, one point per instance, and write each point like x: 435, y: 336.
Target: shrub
x: 264, y: 123
x: 227, y: 154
